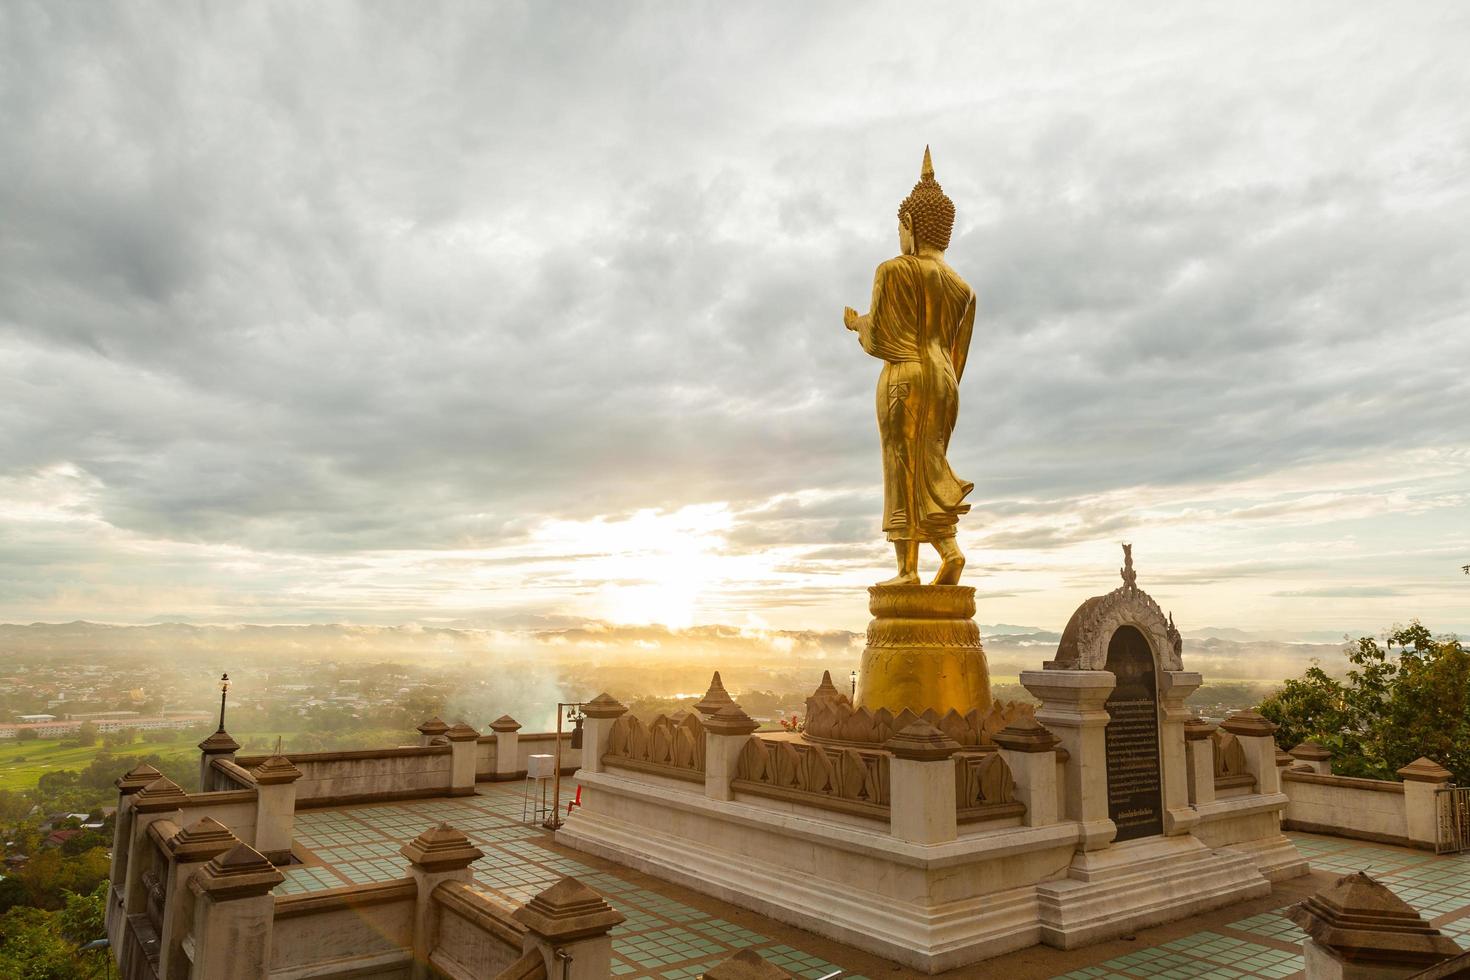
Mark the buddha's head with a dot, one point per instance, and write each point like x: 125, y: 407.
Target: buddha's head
x: 926, y: 216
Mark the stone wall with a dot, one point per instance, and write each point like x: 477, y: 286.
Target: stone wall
x: 1367, y: 809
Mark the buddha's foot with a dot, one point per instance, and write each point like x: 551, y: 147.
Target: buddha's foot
x: 949, y: 571
x: 903, y: 578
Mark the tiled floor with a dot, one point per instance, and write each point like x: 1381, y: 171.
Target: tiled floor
x: 666, y: 938
x: 1269, y: 944
x: 661, y: 937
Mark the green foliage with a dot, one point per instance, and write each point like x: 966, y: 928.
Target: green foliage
x: 1395, y: 706
x: 87, y: 734
x: 83, y: 917
x: 34, y: 945
x: 27, y: 735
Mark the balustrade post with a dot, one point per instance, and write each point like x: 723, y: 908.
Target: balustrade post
x: 600, y: 714
x: 1030, y: 751
x: 437, y: 855
x: 921, y: 780
x: 725, y: 734
x: 464, y: 743
x: 1254, y: 733
x: 233, y: 915
x: 1422, y: 778
x: 568, y: 924
x: 1200, y: 749
x: 507, y: 747
x: 275, y: 807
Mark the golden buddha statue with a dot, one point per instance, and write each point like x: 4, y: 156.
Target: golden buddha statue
x: 923, y: 649
x: 919, y: 325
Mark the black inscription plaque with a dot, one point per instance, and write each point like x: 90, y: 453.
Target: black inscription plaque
x: 1135, y: 795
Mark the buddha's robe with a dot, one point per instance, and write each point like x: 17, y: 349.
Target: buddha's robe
x: 920, y: 324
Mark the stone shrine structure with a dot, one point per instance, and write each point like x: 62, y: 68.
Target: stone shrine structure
x: 939, y: 840
x: 925, y: 822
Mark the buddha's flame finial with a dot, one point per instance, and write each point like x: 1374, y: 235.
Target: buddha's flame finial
x: 928, y: 170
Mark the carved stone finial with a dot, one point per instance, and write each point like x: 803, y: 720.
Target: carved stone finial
x: 1026, y: 734
x: 505, y: 723
x: 922, y: 742
x: 160, y: 796
x: 1311, y: 752
x: 1249, y: 723
x: 826, y: 689
x: 202, y: 840
x: 746, y: 965
x: 277, y: 769
x: 460, y: 732
x: 1196, y: 729
x: 1361, y: 921
x: 604, y: 706
x: 715, y: 698
x: 220, y: 743
x: 434, y: 726
x: 136, y: 778
x: 1130, y: 577
x: 441, y: 848
x: 566, y: 911
x: 730, y: 720
x: 240, y: 872
x: 1423, y: 770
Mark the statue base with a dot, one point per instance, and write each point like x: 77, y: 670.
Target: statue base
x: 923, y: 651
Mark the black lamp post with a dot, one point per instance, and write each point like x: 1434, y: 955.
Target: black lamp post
x: 224, y: 690
x: 854, y: 685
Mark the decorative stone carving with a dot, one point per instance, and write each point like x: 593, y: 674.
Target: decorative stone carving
x: 505, y: 723
x: 1230, y: 761
x: 671, y: 743
x: 1084, y: 644
x: 1196, y: 729
x: 983, y: 779
x: 815, y: 772
x: 715, y: 698
x: 433, y: 727
x: 831, y: 717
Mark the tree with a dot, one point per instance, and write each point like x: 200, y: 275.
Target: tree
x: 87, y: 734
x: 27, y: 735
x: 1406, y: 698
x: 34, y: 947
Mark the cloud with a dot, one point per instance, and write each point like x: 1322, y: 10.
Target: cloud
x: 294, y: 295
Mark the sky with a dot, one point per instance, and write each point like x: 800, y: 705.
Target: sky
x: 511, y: 315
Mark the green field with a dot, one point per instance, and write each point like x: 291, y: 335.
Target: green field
x: 22, y: 763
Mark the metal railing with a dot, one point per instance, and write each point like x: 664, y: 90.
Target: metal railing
x: 1452, y: 809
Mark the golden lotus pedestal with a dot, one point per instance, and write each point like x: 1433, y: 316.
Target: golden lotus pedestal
x: 923, y: 651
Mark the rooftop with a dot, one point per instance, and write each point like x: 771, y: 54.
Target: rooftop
x: 677, y: 933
